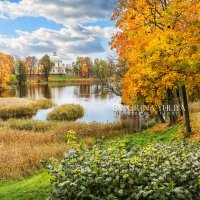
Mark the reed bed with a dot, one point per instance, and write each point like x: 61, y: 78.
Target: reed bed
x: 22, y: 151
x: 69, y: 112
x: 23, y: 147
x: 22, y: 107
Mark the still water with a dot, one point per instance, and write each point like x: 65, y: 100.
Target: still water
x: 99, y: 107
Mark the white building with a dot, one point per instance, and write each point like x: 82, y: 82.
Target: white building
x: 59, y: 66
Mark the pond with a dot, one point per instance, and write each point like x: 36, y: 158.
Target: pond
x: 99, y: 107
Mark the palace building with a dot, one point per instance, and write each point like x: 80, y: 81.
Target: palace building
x: 59, y: 66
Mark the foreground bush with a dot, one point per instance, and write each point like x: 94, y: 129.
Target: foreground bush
x: 68, y: 112
x: 158, y: 171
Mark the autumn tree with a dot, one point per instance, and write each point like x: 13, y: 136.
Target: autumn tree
x: 87, y: 61
x: 159, y: 42
x: 5, y: 69
x: 20, y: 71
x: 6, y: 64
x: 30, y: 63
x: 84, y: 70
x: 82, y: 67
x: 46, y: 65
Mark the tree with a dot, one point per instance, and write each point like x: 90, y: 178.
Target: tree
x: 159, y: 42
x: 84, y: 70
x: 82, y: 67
x: 46, y: 65
x: 30, y: 63
x: 20, y: 72
x: 110, y: 75
x: 6, y: 64
x: 76, y: 66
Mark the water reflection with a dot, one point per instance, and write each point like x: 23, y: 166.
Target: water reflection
x: 84, y: 91
x: 98, y: 107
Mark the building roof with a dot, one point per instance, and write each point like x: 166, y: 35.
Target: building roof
x: 55, y: 58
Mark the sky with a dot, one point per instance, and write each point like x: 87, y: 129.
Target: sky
x: 72, y: 28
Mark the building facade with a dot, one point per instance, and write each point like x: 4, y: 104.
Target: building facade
x: 58, y: 65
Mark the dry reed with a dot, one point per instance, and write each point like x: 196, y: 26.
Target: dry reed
x: 22, y: 150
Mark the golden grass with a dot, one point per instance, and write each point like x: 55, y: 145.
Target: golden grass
x: 159, y: 127
x: 43, y: 103
x: 7, y: 102
x: 22, y: 107
x: 195, y: 126
x: 69, y: 112
x: 194, y: 106
x: 22, y: 150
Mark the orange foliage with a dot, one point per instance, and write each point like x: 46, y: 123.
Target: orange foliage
x: 159, y: 40
x: 6, y: 64
x: 84, y: 70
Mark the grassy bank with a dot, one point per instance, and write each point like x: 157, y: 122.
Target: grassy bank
x: 70, y: 79
x: 35, y: 187
x: 24, y: 143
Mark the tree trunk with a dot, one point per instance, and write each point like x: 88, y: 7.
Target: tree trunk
x: 171, y: 112
x: 160, y: 116
x: 179, y: 102
x: 187, y: 115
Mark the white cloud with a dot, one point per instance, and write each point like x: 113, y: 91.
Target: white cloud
x: 69, y: 42
x: 72, y: 40
x: 61, y: 11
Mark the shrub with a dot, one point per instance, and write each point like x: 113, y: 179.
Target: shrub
x: 68, y: 112
x: 157, y: 171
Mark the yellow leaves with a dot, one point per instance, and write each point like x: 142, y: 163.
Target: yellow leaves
x: 6, y: 64
x: 160, y: 45
x: 84, y: 69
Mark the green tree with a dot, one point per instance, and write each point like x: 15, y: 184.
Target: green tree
x: 47, y: 65
x: 20, y: 72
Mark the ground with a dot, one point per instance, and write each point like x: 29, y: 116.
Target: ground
x: 36, y: 187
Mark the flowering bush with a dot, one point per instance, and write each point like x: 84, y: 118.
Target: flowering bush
x: 157, y: 171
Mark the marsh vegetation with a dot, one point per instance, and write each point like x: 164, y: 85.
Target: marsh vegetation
x: 69, y: 112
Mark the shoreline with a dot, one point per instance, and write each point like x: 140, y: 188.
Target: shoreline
x: 84, y: 81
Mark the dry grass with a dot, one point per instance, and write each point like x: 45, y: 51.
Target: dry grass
x: 22, y: 150
x: 29, y: 124
x: 194, y: 106
x: 159, y: 127
x: 43, y: 103
x: 7, y: 102
x: 70, y: 112
x: 195, y: 126
x: 22, y: 107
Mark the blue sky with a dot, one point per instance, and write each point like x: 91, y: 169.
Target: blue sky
x: 9, y: 26
x: 72, y: 28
